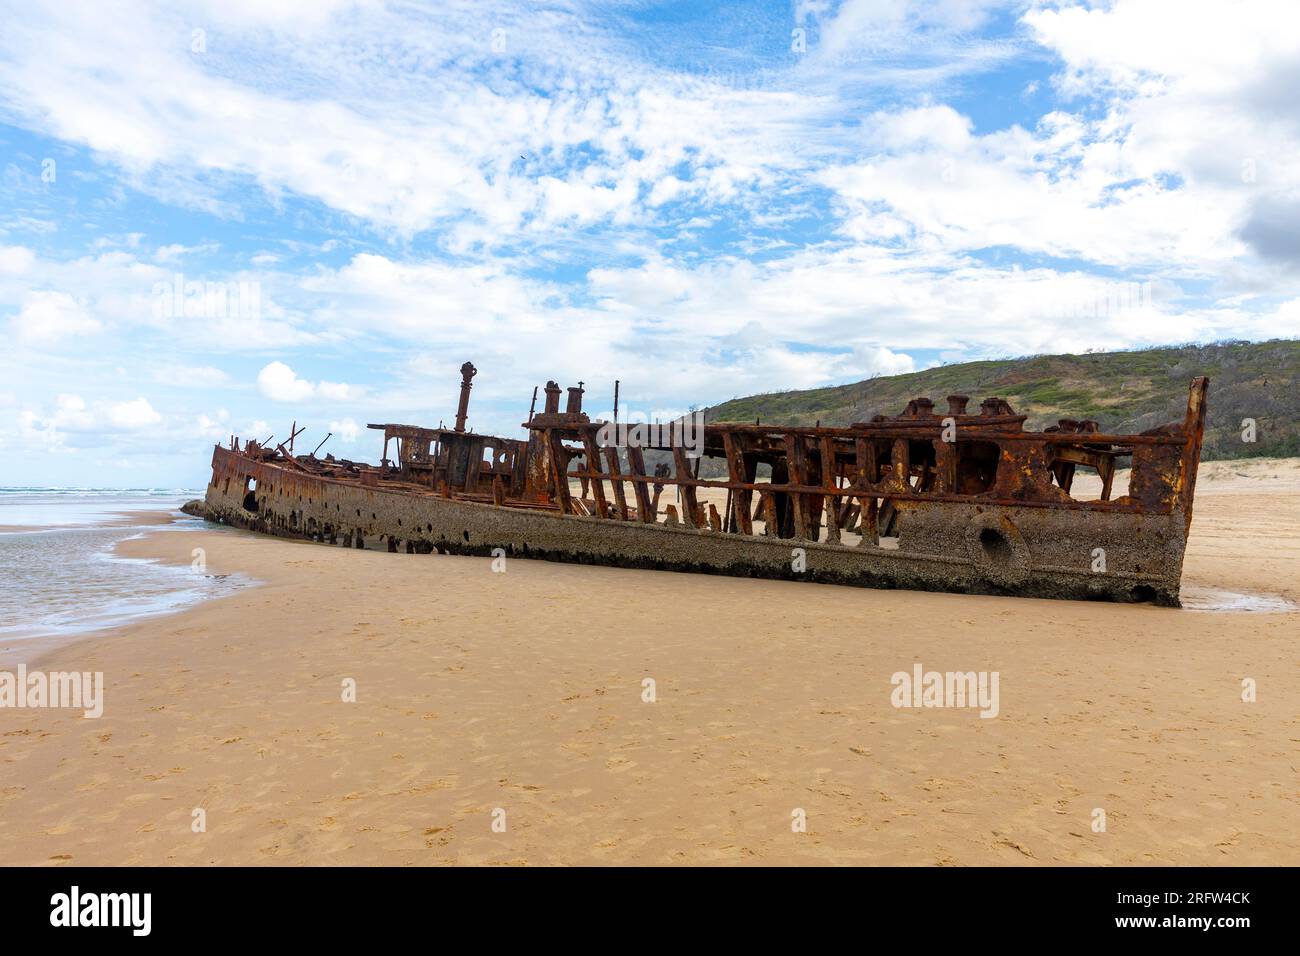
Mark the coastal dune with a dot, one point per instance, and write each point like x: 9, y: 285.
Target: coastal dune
x: 504, y: 717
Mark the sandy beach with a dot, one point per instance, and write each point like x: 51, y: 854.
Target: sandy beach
x: 479, y: 692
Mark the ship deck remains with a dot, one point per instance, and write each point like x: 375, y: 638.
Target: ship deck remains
x: 929, y: 500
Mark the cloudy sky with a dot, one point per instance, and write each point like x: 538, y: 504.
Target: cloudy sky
x: 218, y: 217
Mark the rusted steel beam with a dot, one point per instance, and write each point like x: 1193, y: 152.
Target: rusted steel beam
x: 690, y: 502
x: 1194, y: 430
x: 641, y: 485
x: 798, y: 464
x: 869, y: 525
x: 596, y: 475
x: 831, y: 482
x: 771, y: 520
x: 559, y: 470
x: 616, y: 481
x: 945, y: 466
x: 741, y: 499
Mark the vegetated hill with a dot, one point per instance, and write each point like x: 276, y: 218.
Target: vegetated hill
x: 1124, y: 391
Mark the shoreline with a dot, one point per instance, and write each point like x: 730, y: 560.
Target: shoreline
x: 523, y: 691
x: 32, y: 647
x: 121, y: 519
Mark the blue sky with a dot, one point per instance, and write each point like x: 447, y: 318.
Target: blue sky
x: 702, y: 200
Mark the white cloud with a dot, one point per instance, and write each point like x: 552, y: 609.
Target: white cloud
x: 345, y: 430
x: 175, y: 251
x: 279, y: 383
x: 132, y: 415
x: 189, y: 376
x: 52, y: 318
x: 882, y: 361
x: 60, y: 301
x: 85, y: 423
x: 16, y: 260
x: 215, y: 427
x: 456, y: 139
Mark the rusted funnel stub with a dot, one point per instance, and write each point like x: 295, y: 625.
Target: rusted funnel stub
x: 574, y: 407
x: 552, y: 398
x: 995, y: 406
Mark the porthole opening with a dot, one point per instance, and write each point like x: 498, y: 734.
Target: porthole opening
x: 995, y: 546
x: 1144, y: 593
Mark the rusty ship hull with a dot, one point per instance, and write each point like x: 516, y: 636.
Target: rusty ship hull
x: 924, y: 501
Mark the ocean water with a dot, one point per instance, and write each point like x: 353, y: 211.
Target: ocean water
x: 58, y: 573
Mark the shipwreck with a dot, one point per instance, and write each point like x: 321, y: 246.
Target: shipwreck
x: 952, y: 499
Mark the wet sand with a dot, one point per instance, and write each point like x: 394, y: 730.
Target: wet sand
x: 122, y: 519
x: 523, y: 691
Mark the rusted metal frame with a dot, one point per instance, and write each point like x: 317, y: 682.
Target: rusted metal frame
x: 594, y: 473
x: 1103, y: 460
x: 933, y: 430
x: 920, y: 432
x: 869, y: 523
x: 640, y: 484
x: 256, y: 470
x: 867, y: 471
x: 981, y: 499
x: 972, y: 428
x: 741, y: 500
x: 900, y: 459
x: 1194, y: 430
x: 474, y: 465
x: 686, y: 484
x: 945, y: 466
x: 559, y: 470
x: 771, y: 520
x: 1064, y: 471
x: 291, y: 461
x: 1107, y: 473
x: 1086, y: 456
x: 797, y: 462
x: 616, y: 482
x: 831, y: 480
